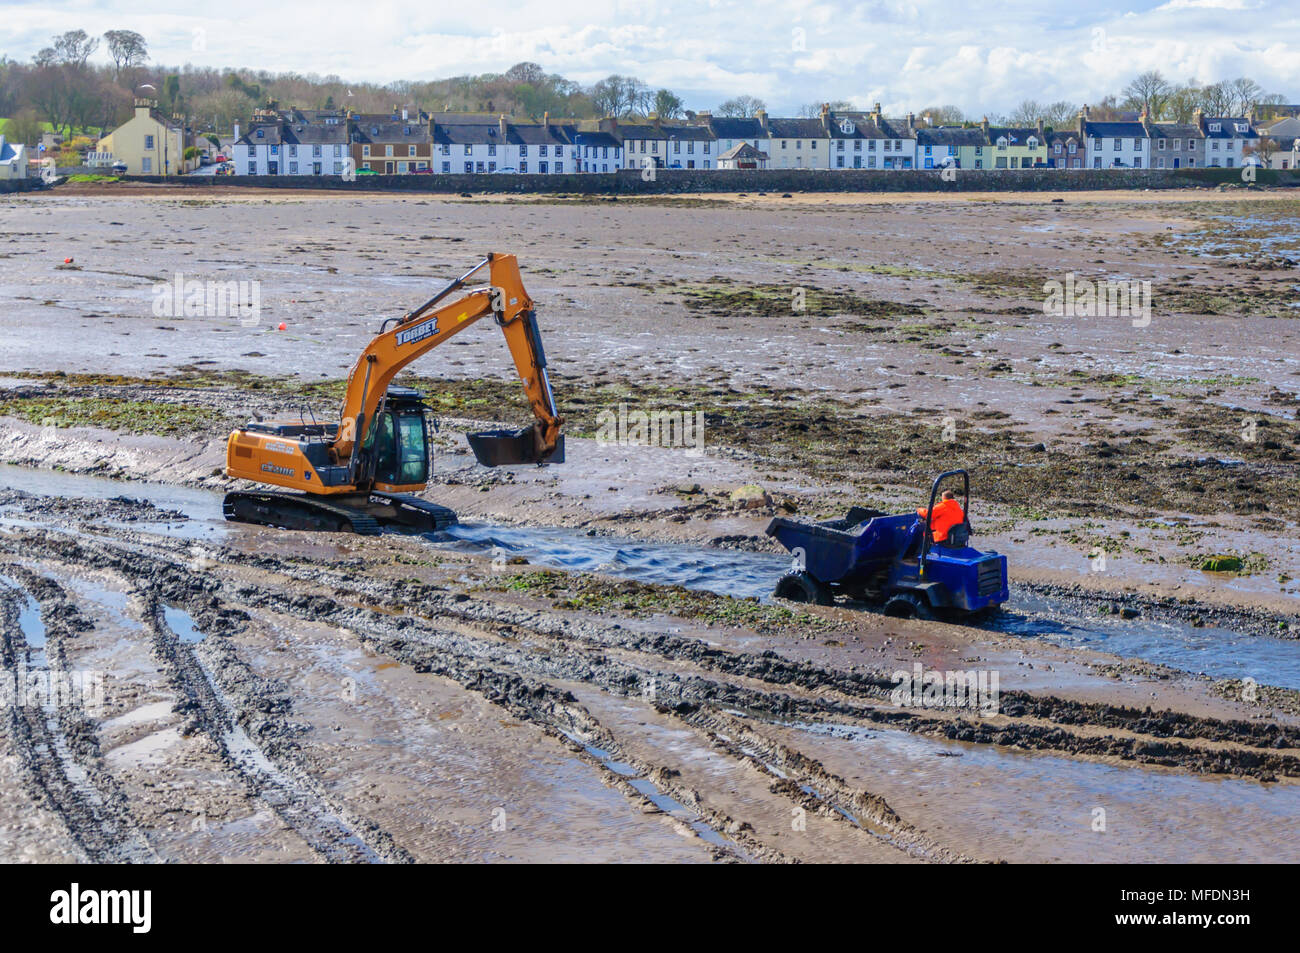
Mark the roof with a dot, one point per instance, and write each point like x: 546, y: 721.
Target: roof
x: 384, y: 129
x: 743, y: 151
x: 734, y: 127
x: 796, y: 129
x: 689, y: 133
x: 9, y: 152
x: 1112, y: 130
x: 596, y: 139
x: 535, y: 133
x: 464, y: 133
x: 639, y: 131
x: 1015, y: 135
x: 950, y: 136
x: 1176, y: 130
x: 1228, y: 128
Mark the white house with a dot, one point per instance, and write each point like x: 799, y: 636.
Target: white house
x: 1117, y: 145
x: 13, y: 159
x: 280, y: 147
x: 1226, y: 138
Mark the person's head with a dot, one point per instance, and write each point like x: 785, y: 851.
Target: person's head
x: 947, y: 495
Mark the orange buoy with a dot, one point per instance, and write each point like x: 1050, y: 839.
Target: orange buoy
x: 283, y: 326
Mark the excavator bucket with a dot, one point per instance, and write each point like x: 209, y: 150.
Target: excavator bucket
x: 503, y: 448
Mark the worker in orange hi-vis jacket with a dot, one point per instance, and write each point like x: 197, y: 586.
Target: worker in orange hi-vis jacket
x: 947, y: 514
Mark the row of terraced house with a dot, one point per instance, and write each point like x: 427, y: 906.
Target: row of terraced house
x: 332, y: 142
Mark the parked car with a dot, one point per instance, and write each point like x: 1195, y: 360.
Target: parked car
x: 119, y: 167
x: 221, y: 158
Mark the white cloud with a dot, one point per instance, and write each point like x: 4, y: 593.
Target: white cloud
x: 908, y: 55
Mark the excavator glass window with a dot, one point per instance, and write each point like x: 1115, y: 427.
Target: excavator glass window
x: 401, y: 453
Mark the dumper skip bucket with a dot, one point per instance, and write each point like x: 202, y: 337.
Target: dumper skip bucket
x: 502, y: 448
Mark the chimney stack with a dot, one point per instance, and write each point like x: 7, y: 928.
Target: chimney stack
x: 1040, y: 131
x: 761, y: 116
x: 501, y: 124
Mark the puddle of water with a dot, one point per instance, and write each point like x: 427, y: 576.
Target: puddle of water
x: 651, y: 792
x: 29, y: 615
x: 1220, y: 653
x: 1048, y: 801
x: 721, y: 571
x: 182, y: 623
x: 201, y: 508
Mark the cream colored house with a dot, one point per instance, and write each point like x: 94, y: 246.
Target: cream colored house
x: 148, y: 143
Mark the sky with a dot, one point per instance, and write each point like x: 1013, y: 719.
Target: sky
x: 904, y: 54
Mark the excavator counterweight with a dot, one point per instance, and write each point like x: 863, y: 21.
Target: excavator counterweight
x: 362, y: 473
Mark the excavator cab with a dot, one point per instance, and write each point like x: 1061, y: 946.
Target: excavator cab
x: 399, y: 442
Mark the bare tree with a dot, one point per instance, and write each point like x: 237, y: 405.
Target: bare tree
x: 1244, y: 94
x: 127, y: 50
x: 74, y: 48
x: 1149, y: 93
x: 1216, y: 99
x: 741, y: 106
x: 620, y: 95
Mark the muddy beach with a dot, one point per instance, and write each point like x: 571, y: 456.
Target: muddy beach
x: 590, y: 665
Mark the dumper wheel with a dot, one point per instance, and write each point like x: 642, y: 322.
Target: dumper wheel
x: 801, y: 587
x: 908, y: 605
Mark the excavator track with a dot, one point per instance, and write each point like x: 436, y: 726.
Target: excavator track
x: 296, y: 511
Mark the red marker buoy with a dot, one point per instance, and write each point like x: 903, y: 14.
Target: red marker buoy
x: 283, y: 326
x: 67, y: 261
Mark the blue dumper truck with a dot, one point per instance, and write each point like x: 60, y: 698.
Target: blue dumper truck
x: 892, y: 561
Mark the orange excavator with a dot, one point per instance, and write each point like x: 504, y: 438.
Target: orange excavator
x: 362, y: 473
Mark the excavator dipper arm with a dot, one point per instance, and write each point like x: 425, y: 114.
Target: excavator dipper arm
x: 421, y: 330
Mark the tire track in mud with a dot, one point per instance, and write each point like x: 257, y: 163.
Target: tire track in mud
x: 54, y: 740
x: 206, y: 687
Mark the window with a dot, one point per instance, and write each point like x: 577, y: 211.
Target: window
x: 523, y: 149
x: 654, y: 146
x: 813, y: 144
x: 1057, y: 148
x: 1216, y: 127
x: 401, y: 168
x: 365, y: 151
x: 469, y: 167
x: 839, y: 145
x: 542, y: 168
x: 871, y: 147
x: 708, y: 165
x: 1161, y: 145
x: 857, y: 145
x: 559, y: 167
x: 784, y: 143
x: 293, y: 168
x: 446, y: 149
x: 478, y: 166
x: 979, y: 163
x: 1160, y: 162
x: 492, y: 166
x: 706, y: 152
x: 1137, y: 162
x: 492, y: 149
x: 148, y: 140
x: 388, y: 150
x: 410, y: 150
x: 1214, y: 144
x: 1191, y: 163
x: 275, y: 149
x: 839, y: 160
x: 469, y: 150
x: 315, y: 151
x: 1074, y: 147
x: 871, y: 162
x: 1117, y: 144
x: 690, y: 148
x: 523, y: 165
x: 677, y: 146
x: 1137, y: 145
